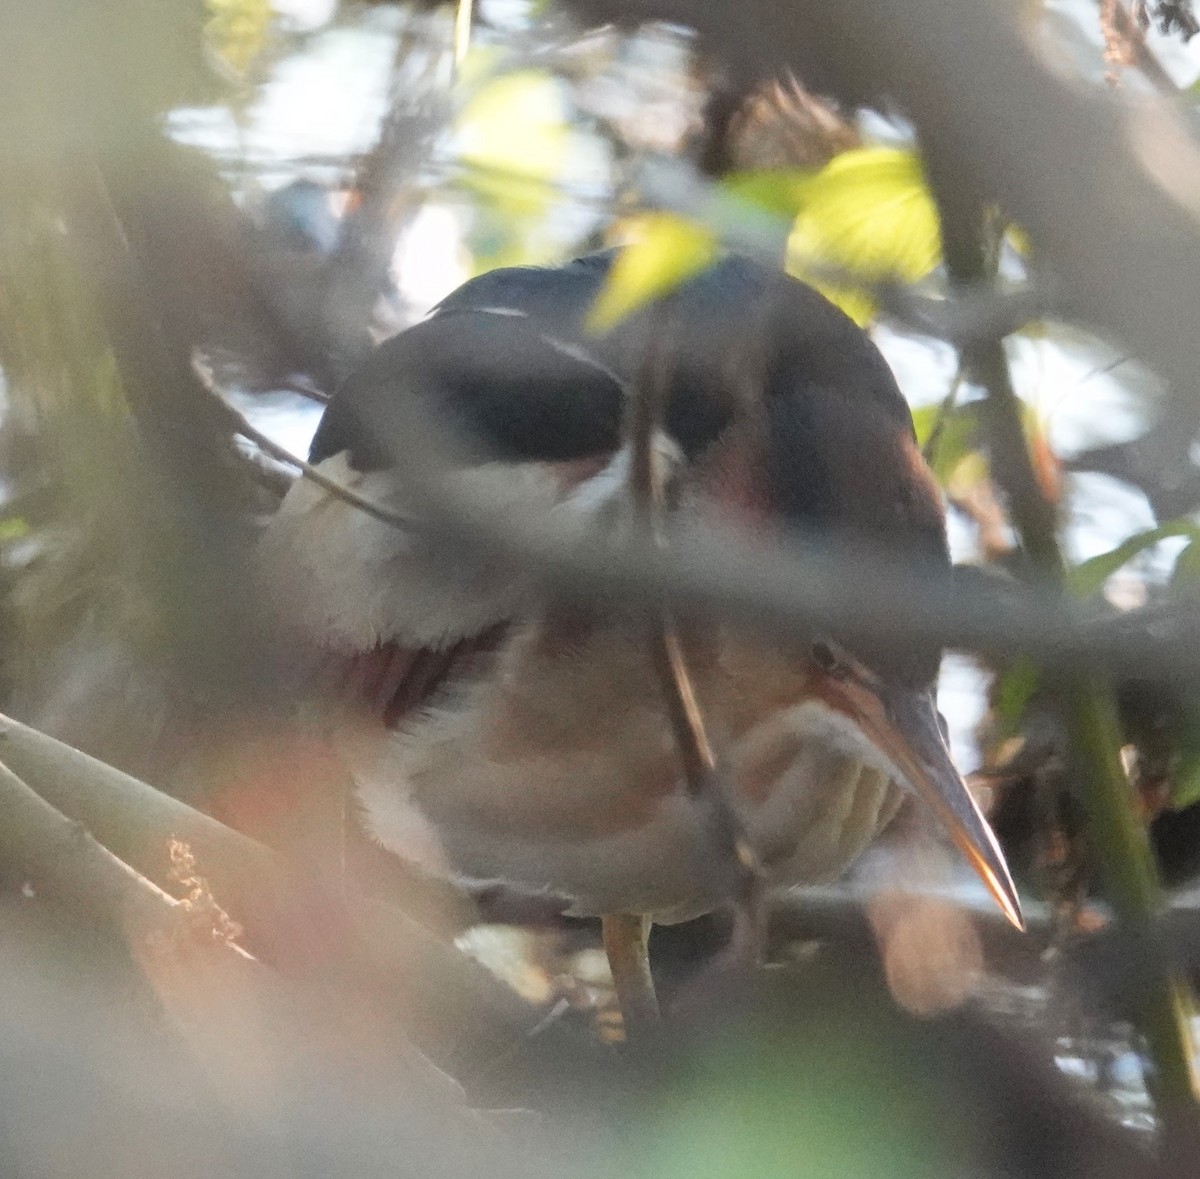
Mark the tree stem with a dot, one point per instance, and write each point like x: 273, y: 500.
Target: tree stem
x: 1164, y: 1002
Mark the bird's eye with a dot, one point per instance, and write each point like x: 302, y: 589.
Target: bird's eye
x: 824, y: 657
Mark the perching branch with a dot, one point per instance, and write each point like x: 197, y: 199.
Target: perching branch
x: 59, y: 856
x: 292, y: 921
x: 240, y: 424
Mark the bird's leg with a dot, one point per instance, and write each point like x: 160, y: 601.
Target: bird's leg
x: 747, y: 940
x: 626, y: 938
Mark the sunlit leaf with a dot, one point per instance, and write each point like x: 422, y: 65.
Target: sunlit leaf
x: 1088, y: 577
x: 964, y: 477
x: 868, y: 212
x: 237, y: 30
x: 667, y: 250
x: 514, y: 137
x: 1016, y: 237
x: 13, y: 528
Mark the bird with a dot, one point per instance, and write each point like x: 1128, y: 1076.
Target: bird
x: 508, y: 737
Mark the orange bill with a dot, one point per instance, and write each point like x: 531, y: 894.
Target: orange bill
x: 903, y: 724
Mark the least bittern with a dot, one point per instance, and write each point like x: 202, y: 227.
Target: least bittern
x: 527, y: 741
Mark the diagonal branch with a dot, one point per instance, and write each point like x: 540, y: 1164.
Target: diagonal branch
x: 454, y: 1007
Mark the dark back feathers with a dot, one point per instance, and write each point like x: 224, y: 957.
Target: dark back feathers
x: 508, y: 360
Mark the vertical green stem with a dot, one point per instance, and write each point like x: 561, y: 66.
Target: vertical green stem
x: 1130, y: 873
x: 1131, y: 878
x: 1118, y: 832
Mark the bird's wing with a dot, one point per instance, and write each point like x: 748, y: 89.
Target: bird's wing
x: 537, y: 414
x: 508, y: 360
x: 392, y: 681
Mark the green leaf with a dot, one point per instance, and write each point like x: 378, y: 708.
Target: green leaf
x: 668, y: 251
x: 1186, y: 574
x: 869, y: 212
x: 1014, y: 690
x: 958, y: 436
x: 1088, y: 577
x: 13, y: 528
x: 515, y: 135
x: 1016, y: 237
x: 1185, y: 781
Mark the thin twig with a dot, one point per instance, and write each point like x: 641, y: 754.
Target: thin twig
x: 705, y: 775
x: 784, y: 586
x: 929, y: 450
x: 419, y: 107
x: 241, y: 425
x: 1142, y: 57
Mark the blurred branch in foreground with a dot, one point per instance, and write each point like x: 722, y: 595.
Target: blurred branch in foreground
x: 355, y: 944
x: 301, y: 1079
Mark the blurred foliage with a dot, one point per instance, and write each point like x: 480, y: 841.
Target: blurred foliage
x: 514, y: 132
x: 1088, y: 577
x: 1014, y: 689
x: 784, y: 1107
x: 664, y: 251
x: 947, y: 434
x: 238, y: 29
x: 71, y: 69
x: 869, y: 213
x: 514, y: 136
x: 780, y: 191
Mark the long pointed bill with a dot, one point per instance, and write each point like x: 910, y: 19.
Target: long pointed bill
x: 902, y: 723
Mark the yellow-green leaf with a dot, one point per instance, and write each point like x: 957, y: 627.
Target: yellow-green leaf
x: 869, y: 213
x: 13, y: 528
x: 1019, y: 240
x: 958, y: 436
x: 516, y: 134
x: 237, y: 30
x: 666, y: 252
